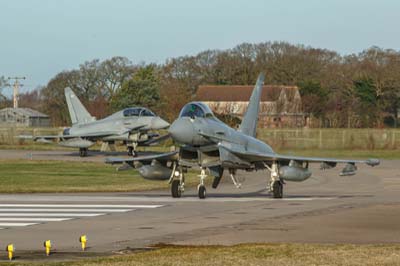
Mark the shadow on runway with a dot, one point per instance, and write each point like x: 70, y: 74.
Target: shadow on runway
x: 255, y: 194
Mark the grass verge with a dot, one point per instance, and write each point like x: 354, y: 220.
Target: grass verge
x: 251, y: 254
x: 64, y: 176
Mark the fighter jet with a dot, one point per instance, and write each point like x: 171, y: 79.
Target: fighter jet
x: 131, y: 125
x: 209, y: 144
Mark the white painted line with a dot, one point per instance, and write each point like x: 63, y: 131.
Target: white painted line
x: 6, y: 214
x: 81, y: 206
x: 16, y: 224
x: 62, y: 210
x: 30, y: 219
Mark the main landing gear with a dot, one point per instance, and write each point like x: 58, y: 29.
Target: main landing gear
x: 131, y: 148
x: 277, y: 189
x: 275, y: 184
x: 201, y: 188
x: 235, y: 181
x: 83, y: 152
x: 131, y: 151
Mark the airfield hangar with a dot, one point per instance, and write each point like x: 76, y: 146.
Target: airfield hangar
x: 280, y: 106
x: 23, y: 117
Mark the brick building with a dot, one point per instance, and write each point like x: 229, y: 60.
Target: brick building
x: 280, y: 105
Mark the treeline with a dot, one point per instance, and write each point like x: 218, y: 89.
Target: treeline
x: 357, y: 90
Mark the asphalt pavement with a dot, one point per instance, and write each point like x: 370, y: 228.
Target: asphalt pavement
x: 327, y: 208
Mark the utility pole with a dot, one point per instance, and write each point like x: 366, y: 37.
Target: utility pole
x: 16, y: 85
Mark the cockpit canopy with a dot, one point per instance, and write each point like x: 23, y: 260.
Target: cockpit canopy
x: 137, y: 111
x: 196, y: 109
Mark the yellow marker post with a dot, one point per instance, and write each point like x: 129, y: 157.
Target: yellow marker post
x: 10, y: 249
x: 83, y: 240
x: 47, y: 245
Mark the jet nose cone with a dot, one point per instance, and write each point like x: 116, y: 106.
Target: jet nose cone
x: 182, y: 131
x: 159, y: 123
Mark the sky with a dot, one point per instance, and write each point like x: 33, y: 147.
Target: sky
x: 40, y: 38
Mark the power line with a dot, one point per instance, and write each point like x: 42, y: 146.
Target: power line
x: 16, y: 85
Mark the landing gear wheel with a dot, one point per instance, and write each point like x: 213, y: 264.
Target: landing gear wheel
x: 175, y: 189
x: 131, y: 152
x: 83, y: 152
x: 277, y: 190
x: 202, y: 192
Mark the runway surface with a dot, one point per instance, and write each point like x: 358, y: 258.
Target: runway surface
x: 364, y: 208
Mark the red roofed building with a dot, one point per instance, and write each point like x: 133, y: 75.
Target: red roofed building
x: 280, y: 105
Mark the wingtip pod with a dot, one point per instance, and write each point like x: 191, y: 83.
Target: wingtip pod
x: 372, y: 162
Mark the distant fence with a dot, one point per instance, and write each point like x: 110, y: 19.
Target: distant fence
x: 277, y: 138
x: 331, y: 138
x: 10, y: 135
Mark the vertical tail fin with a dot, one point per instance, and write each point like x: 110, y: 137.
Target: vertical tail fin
x: 250, y: 119
x: 77, y: 112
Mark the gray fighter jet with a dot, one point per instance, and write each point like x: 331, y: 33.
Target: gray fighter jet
x: 208, y: 143
x: 132, y: 126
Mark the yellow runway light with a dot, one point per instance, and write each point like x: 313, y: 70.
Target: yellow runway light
x: 47, y: 245
x: 83, y: 240
x: 10, y: 249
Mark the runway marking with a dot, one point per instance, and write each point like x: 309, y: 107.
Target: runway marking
x: 16, y: 224
x: 27, y: 214
x: 32, y: 219
x: 4, y: 214
x: 63, y: 210
x: 81, y: 206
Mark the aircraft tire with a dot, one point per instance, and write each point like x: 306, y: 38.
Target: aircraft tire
x: 83, y: 152
x: 131, y: 151
x: 175, y: 190
x: 202, y: 192
x: 277, y: 190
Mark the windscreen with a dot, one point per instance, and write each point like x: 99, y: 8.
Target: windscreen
x: 132, y: 112
x: 146, y: 112
x: 195, y: 110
